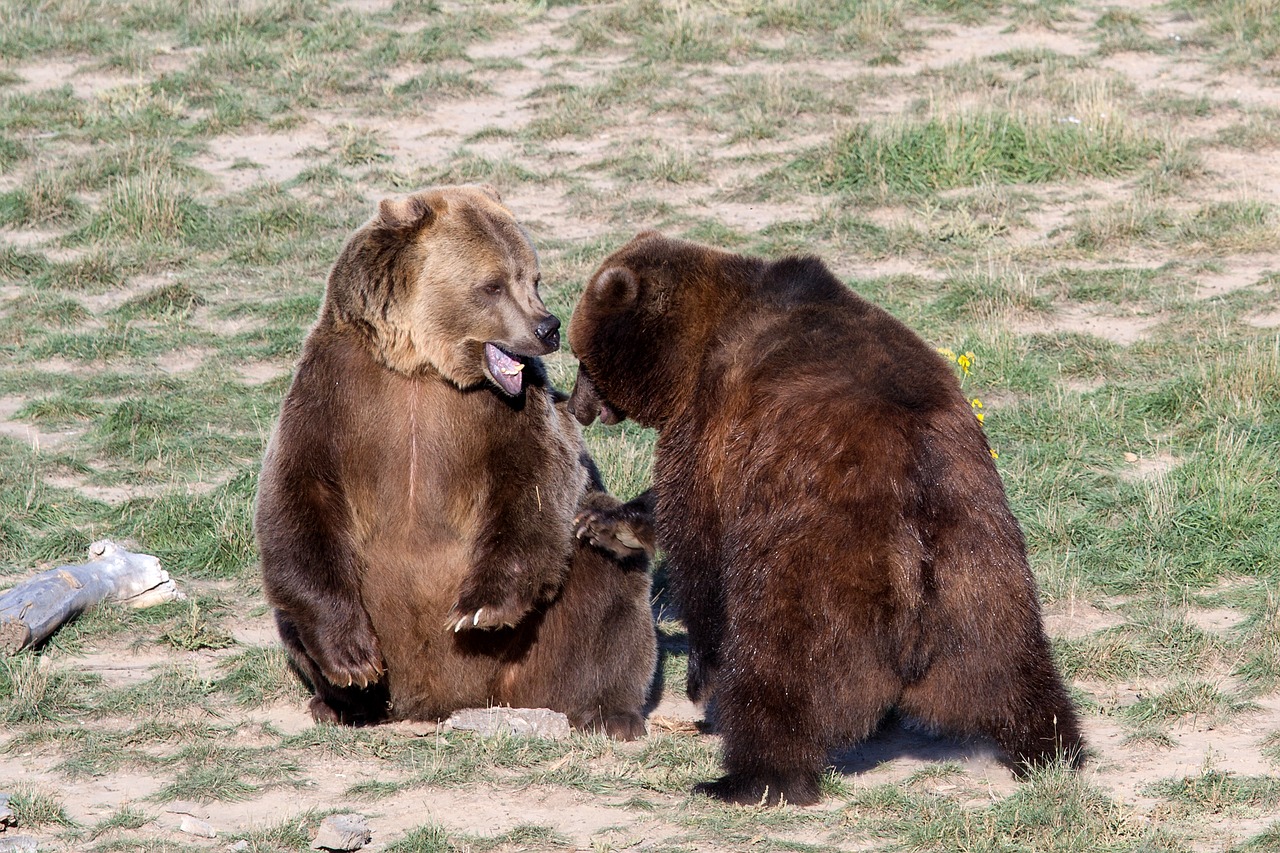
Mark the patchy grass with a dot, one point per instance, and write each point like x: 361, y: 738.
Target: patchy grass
x: 1046, y: 203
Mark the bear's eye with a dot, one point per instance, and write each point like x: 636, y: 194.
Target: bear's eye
x: 492, y: 287
x: 537, y: 281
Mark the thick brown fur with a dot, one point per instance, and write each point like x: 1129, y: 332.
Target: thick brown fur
x: 416, y: 521
x: 839, y: 539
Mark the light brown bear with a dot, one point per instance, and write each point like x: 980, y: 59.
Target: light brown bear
x: 839, y: 540
x: 417, y: 500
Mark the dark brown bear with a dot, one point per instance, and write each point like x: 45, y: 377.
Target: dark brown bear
x: 839, y: 539
x: 417, y: 500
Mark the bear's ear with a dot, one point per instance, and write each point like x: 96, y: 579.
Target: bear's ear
x: 404, y: 214
x: 617, y: 287
x: 491, y: 191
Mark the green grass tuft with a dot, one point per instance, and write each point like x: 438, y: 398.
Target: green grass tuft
x: 149, y: 208
x: 424, y: 839
x: 1055, y: 810
x: 968, y: 150
x: 1197, y: 699
x: 32, y: 689
x: 260, y: 675
x: 169, y: 300
x: 1218, y: 792
x: 33, y: 808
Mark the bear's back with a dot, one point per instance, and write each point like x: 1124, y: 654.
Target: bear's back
x: 802, y: 333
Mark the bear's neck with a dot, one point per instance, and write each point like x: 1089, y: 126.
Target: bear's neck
x: 386, y: 345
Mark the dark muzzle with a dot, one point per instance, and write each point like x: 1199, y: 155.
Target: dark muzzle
x: 548, y: 331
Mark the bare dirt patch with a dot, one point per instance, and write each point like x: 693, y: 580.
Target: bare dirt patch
x: 1087, y: 320
x: 579, y: 198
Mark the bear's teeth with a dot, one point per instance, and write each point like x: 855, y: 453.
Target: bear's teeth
x: 512, y: 371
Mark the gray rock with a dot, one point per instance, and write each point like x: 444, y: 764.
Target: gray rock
x: 524, y: 722
x: 7, y: 817
x: 239, y: 846
x: 17, y: 844
x: 342, y: 832
x: 194, y: 826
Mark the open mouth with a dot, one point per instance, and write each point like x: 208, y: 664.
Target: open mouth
x: 506, y: 371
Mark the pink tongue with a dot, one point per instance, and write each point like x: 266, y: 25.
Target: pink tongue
x: 504, y: 369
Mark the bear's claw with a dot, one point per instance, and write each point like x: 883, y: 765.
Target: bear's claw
x: 356, y: 675
x: 482, y: 618
x: 608, y: 532
x: 355, y: 662
x: 475, y: 621
x: 765, y: 789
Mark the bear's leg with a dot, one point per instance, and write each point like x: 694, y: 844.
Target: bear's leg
x: 1037, y: 723
x: 774, y: 746
x: 801, y: 668
x: 784, y: 697
x: 619, y: 725
x: 596, y: 648
x: 332, y: 704
x: 1012, y: 694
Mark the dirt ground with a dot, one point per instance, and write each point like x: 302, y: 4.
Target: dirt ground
x: 591, y: 821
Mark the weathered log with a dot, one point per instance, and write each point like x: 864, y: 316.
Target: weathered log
x: 35, y: 608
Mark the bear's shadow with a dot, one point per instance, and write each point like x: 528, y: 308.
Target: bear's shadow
x: 897, y: 739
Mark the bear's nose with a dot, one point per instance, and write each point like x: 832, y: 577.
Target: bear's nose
x: 548, y: 331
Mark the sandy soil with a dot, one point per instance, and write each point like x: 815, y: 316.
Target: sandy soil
x: 1121, y: 767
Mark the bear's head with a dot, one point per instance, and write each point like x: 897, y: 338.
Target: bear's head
x: 645, y: 323
x: 445, y: 280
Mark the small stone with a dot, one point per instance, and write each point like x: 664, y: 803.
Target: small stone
x: 194, y: 826
x: 17, y: 844
x: 239, y: 846
x: 7, y: 817
x: 342, y: 832
x: 523, y: 722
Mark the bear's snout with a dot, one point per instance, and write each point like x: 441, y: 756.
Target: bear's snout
x: 548, y: 331
x: 586, y: 404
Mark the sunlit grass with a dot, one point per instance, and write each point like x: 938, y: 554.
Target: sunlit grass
x: 967, y: 149
x: 161, y: 262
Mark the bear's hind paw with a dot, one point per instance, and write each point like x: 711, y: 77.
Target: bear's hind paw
x: 761, y: 790
x: 619, y: 725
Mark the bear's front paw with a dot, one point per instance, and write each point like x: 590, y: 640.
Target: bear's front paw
x: 349, y: 656
x: 468, y: 614
x: 616, y: 529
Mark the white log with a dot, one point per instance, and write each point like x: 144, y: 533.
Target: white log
x: 35, y: 608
